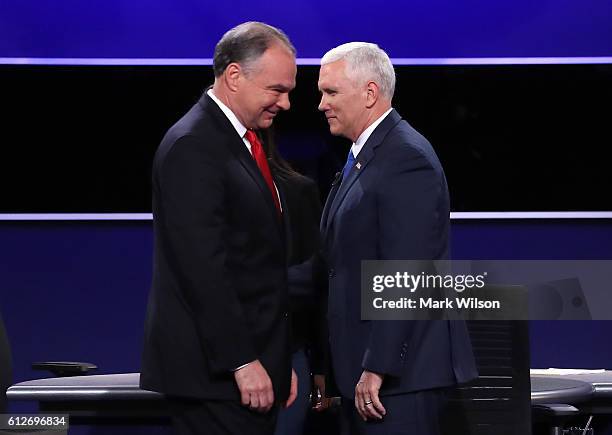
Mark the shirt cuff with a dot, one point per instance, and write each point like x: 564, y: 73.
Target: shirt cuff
x: 241, y: 367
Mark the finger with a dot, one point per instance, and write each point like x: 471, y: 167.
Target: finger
x: 245, y: 398
x: 254, y: 401
x: 267, y: 397
x: 290, y: 399
x: 371, y: 411
x: 377, y: 404
x: 360, y: 387
x: 264, y: 403
x: 360, y: 410
x: 359, y: 393
x: 368, y: 409
x: 293, y: 390
x: 269, y: 394
x: 292, y: 394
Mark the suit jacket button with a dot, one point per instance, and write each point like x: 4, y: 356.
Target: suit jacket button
x: 332, y: 272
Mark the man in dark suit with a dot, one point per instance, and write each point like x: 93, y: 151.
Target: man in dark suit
x: 391, y: 204
x: 217, y: 329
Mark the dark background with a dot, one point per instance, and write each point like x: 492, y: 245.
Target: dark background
x: 511, y: 138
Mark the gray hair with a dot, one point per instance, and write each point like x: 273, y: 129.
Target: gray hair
x: 246, y: 43
x: 365, y: 61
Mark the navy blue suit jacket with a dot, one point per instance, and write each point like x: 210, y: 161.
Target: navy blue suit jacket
x: 393, y: 205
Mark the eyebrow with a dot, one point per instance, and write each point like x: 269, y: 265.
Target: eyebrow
x: 280, y: 87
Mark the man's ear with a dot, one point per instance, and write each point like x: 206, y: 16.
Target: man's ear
x: 372, y: 94
x: 232, y: 76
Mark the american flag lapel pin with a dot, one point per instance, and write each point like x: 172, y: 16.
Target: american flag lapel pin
x: 358, y: 165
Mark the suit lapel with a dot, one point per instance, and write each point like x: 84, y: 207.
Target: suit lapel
x: 284, y: 191
x: 239, y: 149
x: 330, y: 198
x: 365, y: 156
x: 248, y: 162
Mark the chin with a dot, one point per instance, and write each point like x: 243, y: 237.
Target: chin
x: 265, y: 123
x: 334, y: 130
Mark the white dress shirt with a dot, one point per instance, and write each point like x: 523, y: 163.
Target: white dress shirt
x: 365, y: 135
x: 240, y: 129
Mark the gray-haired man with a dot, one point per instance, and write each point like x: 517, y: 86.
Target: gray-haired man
x: 392, y: 204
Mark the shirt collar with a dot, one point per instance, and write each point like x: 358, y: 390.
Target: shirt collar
x: 240, y: 129
x: 363, y: 137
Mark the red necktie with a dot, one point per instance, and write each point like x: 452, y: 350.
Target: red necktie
x: 260, y: 157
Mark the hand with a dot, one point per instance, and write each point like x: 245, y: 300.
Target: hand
x: 255, y: 387
x: 323, y: 402
x: 367, y: 401
x: 293, y: 390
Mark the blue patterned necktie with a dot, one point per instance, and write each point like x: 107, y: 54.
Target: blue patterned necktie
x: 350, y: 161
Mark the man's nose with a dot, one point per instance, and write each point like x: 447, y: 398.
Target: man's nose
x: 284, y: 102
x: 322, y: 104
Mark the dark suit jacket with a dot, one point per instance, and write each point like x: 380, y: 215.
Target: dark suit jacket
x: 395, y: 207
x: 219, y: 292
